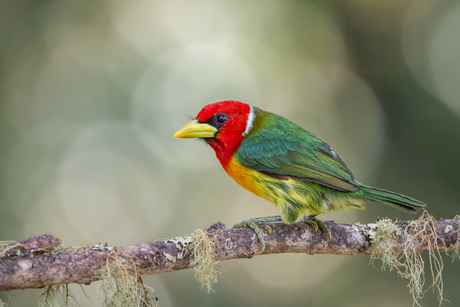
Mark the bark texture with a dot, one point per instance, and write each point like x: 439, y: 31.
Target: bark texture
x: 34, y: 267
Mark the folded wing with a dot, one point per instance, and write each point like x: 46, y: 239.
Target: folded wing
x: 284, y: 150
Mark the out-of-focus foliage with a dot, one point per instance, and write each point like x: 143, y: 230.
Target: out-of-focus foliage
x: 91, y: 93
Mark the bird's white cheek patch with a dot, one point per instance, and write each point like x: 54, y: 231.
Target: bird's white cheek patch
x: 249, y: 122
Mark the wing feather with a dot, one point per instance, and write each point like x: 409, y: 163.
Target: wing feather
x: 284, y: 150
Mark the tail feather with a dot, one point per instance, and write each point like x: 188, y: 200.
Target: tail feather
x: 395, y: 200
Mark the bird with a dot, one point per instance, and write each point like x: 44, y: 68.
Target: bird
x: 285, y: 164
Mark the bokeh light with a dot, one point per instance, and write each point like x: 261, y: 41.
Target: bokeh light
x: 91, y: 94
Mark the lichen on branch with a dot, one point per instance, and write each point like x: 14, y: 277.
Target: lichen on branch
x: 418, y: 235
x: 34, y: 265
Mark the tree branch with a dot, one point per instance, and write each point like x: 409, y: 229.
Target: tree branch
x: 31, y: 266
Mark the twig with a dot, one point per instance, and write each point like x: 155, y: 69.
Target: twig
x: 31, y: 270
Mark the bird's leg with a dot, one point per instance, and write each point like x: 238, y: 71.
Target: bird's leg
x: 259, y: 223
x: 314, y: 222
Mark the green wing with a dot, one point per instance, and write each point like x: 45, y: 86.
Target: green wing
x: 279, y: 148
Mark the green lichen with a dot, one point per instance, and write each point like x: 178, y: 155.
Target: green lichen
x: 456, y: 253
x: 448, y: 228
x: 201, y: 247
x: 62, y: 248
x: 385, y: 233
x: 182, y: 244
x: 6, y: 247
x: 3, y: 304
x: 369, y: 230
x: 418, y: 233
x: 206, y: 268
x: 56, y: 296
x: 170, y: 257
x: 122, y: 288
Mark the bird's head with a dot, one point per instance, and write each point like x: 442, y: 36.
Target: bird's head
x: 223, y: 125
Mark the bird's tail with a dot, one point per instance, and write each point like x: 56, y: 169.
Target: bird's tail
x: 396, y: 200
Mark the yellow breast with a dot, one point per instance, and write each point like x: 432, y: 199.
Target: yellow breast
x: 291, y: 197
x: 282, y: 193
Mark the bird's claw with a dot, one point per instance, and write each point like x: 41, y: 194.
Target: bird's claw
x: 312, y: 223
x: 256, y: 225
x: 315, y: 223
x: 266, y: 227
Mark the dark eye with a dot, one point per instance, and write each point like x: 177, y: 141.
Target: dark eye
x: 218, y: 120
x: 221, y: 118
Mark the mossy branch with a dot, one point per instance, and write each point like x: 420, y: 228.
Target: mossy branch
x: 38, y: 266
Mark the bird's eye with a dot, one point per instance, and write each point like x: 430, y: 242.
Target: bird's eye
x: 218, y: 120
x: 221, y: 118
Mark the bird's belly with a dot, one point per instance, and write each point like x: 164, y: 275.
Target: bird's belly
x: 291, y: 197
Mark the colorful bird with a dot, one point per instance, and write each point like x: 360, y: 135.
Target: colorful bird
x: 280, y: 161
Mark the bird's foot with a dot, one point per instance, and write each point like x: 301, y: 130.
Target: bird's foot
x: 315, y: 223
x: 257, y: 224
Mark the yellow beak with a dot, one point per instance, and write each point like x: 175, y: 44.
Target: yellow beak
x: 195, y: 129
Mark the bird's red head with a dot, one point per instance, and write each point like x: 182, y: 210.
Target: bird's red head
x: 222, y: 125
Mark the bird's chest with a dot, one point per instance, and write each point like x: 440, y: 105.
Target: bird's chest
x: 244, y: 176
x: 291, y: 197
x: 272, y: 189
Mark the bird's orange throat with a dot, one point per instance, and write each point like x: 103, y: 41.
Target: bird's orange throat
x: 242, y: 175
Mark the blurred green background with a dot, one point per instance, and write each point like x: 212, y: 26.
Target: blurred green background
x: 91, y: 93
